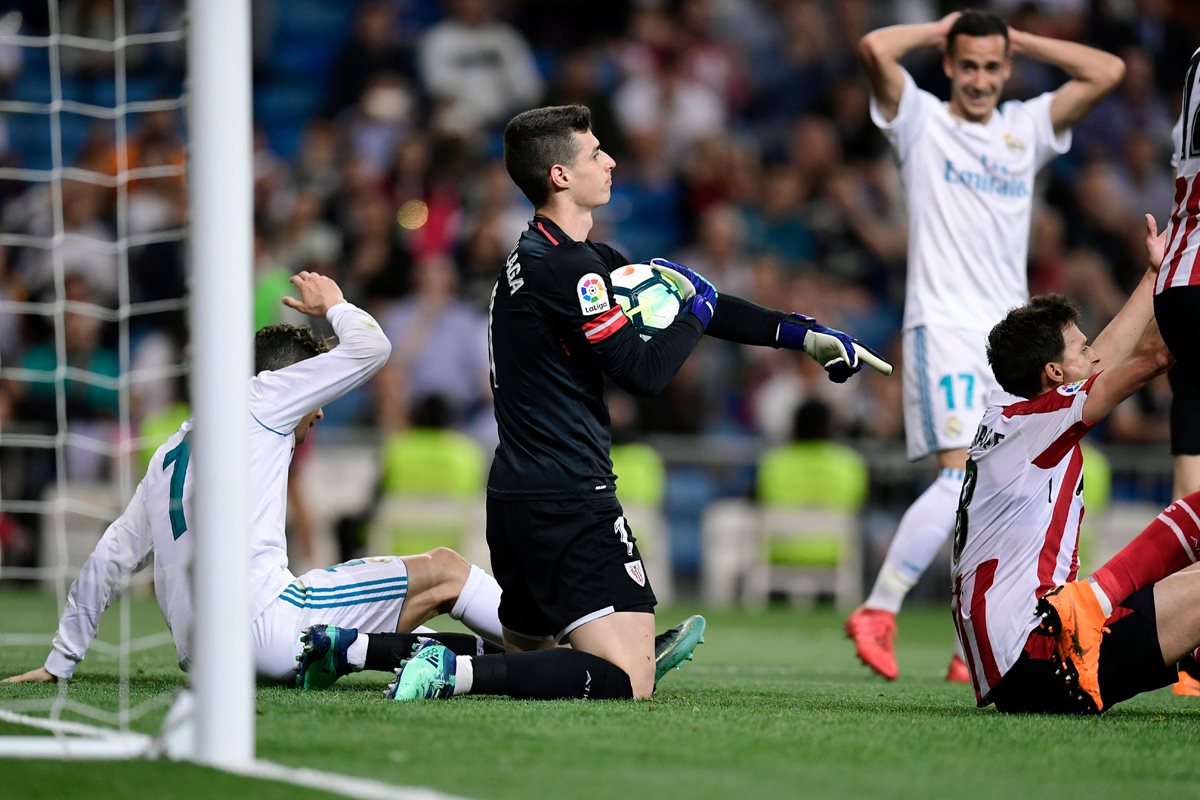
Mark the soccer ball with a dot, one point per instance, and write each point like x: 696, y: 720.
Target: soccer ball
x: 648, y: 298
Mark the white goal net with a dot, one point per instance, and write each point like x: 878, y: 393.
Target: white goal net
x: 94, y: 343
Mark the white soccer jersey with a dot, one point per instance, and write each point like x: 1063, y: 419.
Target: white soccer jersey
x: 158, y: 520
x: 1181, y: 257
x: 1017, y: 532
x: 970, y: 196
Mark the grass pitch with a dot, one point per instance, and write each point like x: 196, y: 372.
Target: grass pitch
x: 775, y: 705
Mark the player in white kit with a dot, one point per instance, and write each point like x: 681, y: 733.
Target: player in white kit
x: 968, y: 168
x: 1084, y: 645
x: 382, y: 595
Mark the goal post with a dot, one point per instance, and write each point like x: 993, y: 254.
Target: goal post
x: 221, y: 247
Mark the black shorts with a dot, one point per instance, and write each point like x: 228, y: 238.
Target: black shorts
x: 562, y: 563
x: 1177, y: 311
x: 1131, y: 662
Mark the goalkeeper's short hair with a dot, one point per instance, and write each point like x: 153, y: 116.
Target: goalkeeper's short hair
x: 1026, y: 340
x: 279, y: 346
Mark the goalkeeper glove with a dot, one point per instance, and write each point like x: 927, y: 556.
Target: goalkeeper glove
x: 699, y: 295
x: 839, y: 353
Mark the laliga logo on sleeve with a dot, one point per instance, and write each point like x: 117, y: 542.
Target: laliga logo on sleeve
x: 1068, y: 389
x: 592, y: 296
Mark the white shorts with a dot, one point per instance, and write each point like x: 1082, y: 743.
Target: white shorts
x: 946, y: 384
x: 365, y: 593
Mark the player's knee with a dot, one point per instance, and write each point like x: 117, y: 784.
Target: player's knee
x: 448, y: 565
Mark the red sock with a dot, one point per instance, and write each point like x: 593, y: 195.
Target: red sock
x: 1167, y: 545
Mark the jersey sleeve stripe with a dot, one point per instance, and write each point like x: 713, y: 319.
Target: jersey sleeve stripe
x: 1046, y: 403
x: 604, y: 325
x: 1048, y: 559
x: 1062, y: 445
x: 985, y: 575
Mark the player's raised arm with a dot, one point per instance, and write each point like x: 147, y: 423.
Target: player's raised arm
x: 1131, y: 348
x: 881, y: 50
x: 280, y: 398
x: 1094, y: 73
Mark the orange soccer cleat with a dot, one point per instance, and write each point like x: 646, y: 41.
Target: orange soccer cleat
x: 872, y: 631
x: 957, y: 672
x: 1186, y: 686
x: 1073, y: 616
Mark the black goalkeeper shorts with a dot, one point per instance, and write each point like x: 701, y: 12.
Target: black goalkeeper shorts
x: 562, y: 563
x: 1131, y: 662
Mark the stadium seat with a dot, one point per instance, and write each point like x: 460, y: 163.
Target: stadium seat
x: 433, y: 495
x: 641, y: 486
x: 807, y: 539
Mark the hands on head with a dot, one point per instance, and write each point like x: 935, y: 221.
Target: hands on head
x: 318, y: 294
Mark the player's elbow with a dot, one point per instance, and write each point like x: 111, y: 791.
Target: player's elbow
x: 1111, y: 71
x: 380, y: 352
x: 868, y: 50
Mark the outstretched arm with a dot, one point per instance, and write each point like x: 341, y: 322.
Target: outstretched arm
x: 121, y: 551
x: 880, y: 52
x: 1131, y: 343
x: 1094, y: 73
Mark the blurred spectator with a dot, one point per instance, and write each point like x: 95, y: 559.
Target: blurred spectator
x: 477, y: 70
x: 439, y: 347
x: 667, y: 103
x: 578, y: 82
x: 372, y: 49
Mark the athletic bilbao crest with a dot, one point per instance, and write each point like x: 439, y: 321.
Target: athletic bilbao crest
x: 634, y: 568
x: 593, y: 297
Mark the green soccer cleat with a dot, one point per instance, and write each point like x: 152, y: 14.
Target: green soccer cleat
x: 323, y: 659
x: 677, y: 645
x: 428, y: 675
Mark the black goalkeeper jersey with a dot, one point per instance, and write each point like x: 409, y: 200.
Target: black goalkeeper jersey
x: 554, y: 332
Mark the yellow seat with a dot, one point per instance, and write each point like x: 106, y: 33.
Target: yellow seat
x: 1094, y: 546
x: 808, y: 530
x: 641, y: 486
x: 433, y: 495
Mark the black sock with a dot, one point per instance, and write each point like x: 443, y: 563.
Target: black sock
x: 385, y: 651
x: 555, y: 674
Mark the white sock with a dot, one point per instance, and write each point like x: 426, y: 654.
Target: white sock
x: 356, y: 653
x: 422, y: 629
x: 478, y: 605
x: 923, y: 529
x: 1105, y: 604
x: 464, y: 674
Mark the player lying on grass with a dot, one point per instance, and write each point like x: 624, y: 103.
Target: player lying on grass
x: 295, y: 376
x: 560, y: 544
x: 1036, y: 639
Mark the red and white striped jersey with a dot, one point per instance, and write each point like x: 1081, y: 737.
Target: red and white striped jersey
x: 1017, y: 531
x: 1181, y: 259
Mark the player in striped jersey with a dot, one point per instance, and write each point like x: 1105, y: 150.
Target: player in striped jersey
x: 969, y: 168
x: 1021, y: 616
x: 1177, y: 292
x: 295, y: 377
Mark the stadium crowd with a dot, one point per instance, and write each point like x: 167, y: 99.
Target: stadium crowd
x: 744, y: 150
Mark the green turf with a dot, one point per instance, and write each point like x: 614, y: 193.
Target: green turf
x: 775, y: 705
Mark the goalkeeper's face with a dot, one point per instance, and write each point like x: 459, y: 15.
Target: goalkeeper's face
x: 309, y: 420
x: 590, y: 174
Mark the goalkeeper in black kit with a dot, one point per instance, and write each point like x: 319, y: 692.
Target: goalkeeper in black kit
x: 562, y: 551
